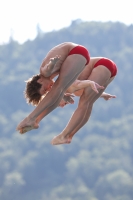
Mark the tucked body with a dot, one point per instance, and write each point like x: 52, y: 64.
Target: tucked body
x: 89, y: 85
x: 73, y: 59
x: 99, y: 70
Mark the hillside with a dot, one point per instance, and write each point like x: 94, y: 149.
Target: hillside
x: 97, y: 165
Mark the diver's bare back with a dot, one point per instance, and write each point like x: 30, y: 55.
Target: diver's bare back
x: 61, y: 50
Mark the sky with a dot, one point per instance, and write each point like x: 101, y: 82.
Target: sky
x: 19, y: 18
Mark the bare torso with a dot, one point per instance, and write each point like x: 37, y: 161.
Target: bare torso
x: 62, y: 50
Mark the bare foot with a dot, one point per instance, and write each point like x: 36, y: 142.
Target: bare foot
x: 26, y: 125
x: 26, y: 129
x: 59, y: 139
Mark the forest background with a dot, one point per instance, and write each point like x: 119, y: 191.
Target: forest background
x: 98, y: 164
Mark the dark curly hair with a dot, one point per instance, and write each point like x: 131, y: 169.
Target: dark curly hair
x: 31, y: 92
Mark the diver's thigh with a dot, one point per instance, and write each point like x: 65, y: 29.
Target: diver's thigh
x: 71, y: 68
x: 101, y: 75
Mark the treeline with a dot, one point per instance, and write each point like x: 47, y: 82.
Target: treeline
x: 97, y: 165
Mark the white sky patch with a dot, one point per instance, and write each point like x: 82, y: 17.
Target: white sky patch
x: 19, y: 18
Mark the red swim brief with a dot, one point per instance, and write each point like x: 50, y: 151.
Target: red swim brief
x: 82, y: 51
x: 109, y: 64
